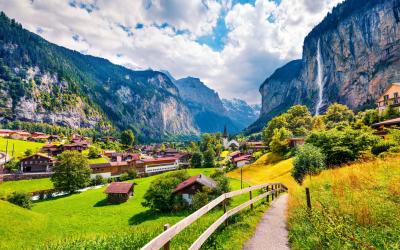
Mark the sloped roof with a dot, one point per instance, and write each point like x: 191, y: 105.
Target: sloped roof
x: 242, y: 158
x: 387, y: 122
x: 201, y: 179
x: 119, y: 188
x: 38, y: 154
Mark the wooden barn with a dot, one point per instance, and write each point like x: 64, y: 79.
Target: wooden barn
x: 119, y: 192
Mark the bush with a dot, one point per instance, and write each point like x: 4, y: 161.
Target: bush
x: 12, y: 166
x: 94, y: 153
x: 383, y: 146
x: 196, y: 160
x: 342, y: 145
x: 309, y: 160
x: 159, y: 196
x: 209, y: 158
x: 98, y: 180
x: 21, y: 199
x: 132, y: 174
x: 124, y: 177
x: 222, y: 184
x: 200, y: 199
x: 395, y: 149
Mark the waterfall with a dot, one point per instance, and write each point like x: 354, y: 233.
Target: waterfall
x: 320, y: 78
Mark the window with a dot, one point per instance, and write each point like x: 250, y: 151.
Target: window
x: 396, y: 96
x: 385, y: 99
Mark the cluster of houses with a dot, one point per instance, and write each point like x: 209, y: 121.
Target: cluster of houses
x: 24, y: 135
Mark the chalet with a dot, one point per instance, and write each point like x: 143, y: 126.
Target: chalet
x: 52, y: 150
x: 108, y: 139
x: 20, y: 135
x: 74, y: 146
x: 254, y: 146
x: 296, y: 141
x: 109, y: 153
x: 5, y: 132
x: 124, y: 156
x: 37, y: 163
x: 242, y: 160
x: 194, y: 185
x: 156, y: 165
x: 38, y: 136
x: 118, y: 192
x: 390, y: 96
x: 108, y: 169
x: 235, y: 154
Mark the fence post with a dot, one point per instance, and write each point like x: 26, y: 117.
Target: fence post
x: 166, y: 246
x: 251, y: 197
x: 226, y: 221
x: 267, y: 195
x: 308, y: 198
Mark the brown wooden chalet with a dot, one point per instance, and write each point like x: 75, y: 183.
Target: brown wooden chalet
x: 114, y: 168
x: 296, y: 141
x: 37, y: 163
x: 118, y: 192
x: 194, y: 185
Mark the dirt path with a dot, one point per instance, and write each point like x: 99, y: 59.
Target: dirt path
x: 271, y: 233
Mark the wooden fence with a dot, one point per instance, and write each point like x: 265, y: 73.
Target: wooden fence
x: 162, y: 240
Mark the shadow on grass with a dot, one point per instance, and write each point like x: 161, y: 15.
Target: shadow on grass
x: 104, y: 202
x: 149, y: 215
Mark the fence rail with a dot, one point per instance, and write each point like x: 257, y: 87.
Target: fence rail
x: 164, y: 238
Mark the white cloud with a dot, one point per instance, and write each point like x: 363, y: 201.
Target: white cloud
x: 261, y: 37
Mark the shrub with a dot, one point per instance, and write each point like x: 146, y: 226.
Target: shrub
x: 98, y: 180
x: 94, y: 153
x: 159, y: 196
x: 124, y: 177
x: 12, y: 166
x: 309, y: 160
x: 342, y: 145
x: 222, y: 184
x: 28, y: 152
x: 383, y: 146
x: 21, y: 199
x: 395, y: 149
x: 209, y: 158
x: 132, y: 174
x: 200, y: 199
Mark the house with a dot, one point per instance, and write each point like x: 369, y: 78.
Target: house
x: 242, y: 160
x: 155, y: 165
x: 109, y: 153
x: 229, y: 144
x: 380, y: 126
x: 390, y: 96
x: 254, y: 146
x: 51, y: 149
x: 20, y: 135
x: 108, y: 169
x: 118, y: 192
x: 37, y: 163
x: 5, y: 132
x: 194, y: 185
x: 235, y: 154
x: 296, y: 141
x: 124, y: 156
x: 38, y: 136
x: 74, y: 146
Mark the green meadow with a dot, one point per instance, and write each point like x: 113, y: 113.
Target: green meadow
x: 85, y: 220
x: 20, y: 146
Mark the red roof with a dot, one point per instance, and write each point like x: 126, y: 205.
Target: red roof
x: 109, y: 164
x: 242, y: 158
x: 159, y: 159
x: 119, y: 188
x: 201, y: 178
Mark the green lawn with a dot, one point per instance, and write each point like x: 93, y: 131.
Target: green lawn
x: 19, y: 146
x: 99, y: 160
x: 85, y: 218
x: 8, y: 187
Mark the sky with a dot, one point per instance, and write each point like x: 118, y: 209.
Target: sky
x: 231, y: 45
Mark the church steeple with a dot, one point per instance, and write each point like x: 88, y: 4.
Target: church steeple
x: 225, y: 135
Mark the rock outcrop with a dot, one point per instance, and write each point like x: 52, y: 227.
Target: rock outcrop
x: 360, y: 56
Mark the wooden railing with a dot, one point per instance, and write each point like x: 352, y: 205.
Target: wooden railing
x: 162, y: 240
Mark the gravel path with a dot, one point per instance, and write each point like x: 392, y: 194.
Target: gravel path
x: 271, y: 232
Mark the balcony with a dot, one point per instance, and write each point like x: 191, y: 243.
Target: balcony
x: 391, y: 101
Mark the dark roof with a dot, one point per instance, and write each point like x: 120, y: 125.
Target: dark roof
x: 41, y: 155
x: 387, y: 122
x: 201, y: 179
x: 119, y: 188
x: 109, y: 164
x: 242, y: 158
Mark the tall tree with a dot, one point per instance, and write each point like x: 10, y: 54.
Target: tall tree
x: 196, y: 160
x: 71, y: 172
x: 127, y: 137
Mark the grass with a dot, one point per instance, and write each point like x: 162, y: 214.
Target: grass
x: 354, y: 207
x: 86, y: 221
x: 99, y: 160
x: 8, y: 187
x: 20, y: 146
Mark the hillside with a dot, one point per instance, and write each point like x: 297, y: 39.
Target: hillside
x: 353, y: 207
x: 43, y: 82
x: 356, y: 48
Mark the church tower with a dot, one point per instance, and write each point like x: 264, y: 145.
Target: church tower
x: 225, y: 137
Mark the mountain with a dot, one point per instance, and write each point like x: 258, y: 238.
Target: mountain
x: 205, y: 105
x: 43, y: 82
x: 351, y: 56
x: 240, y: 112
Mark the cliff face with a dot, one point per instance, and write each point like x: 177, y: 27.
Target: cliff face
x: 43, y: 82
x: 359, y: 56
x: 240, y: 112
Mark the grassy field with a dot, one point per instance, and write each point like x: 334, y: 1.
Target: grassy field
x: 99, y: 160
x: 85, y: 219
x: 8, y: 187
x: 19, y: 146
x: 354, y: 207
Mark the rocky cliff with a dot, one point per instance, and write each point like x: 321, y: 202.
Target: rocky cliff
x: 356, y: 48
x: 240, y: 112
x: 43, y: 82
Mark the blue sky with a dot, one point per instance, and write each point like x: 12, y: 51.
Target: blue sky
x: 232, y: 45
